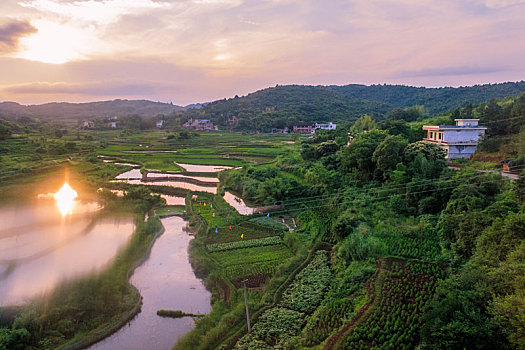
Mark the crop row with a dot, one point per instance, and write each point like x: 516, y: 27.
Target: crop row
x: 234, y: 272
x: 278, y: 325
x: 261, y: 242
x: 327, y: 318
x: 403, y: 294
x: 309, y: 286
x: 252, y: 255
x: 419, y: 247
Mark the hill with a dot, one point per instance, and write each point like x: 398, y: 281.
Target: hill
x: 435, y: 100
x: 75, y: 111
x: 281, y: 106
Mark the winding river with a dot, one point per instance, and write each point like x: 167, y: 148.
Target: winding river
x: 165, y: 281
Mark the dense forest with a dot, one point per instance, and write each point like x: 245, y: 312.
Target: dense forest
x: 284, y: 106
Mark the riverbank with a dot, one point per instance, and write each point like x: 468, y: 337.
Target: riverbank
x: 227, y: 321
x: 165, y: 281
x: 100, y: 334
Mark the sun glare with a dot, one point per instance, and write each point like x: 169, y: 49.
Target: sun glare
x: 65, y: 198
x: 55, y: 43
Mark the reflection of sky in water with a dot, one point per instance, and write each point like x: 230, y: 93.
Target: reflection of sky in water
x: 203, y: 168
x: 131, y: 174
x: 176, y: 184
x: 166, y: 281
x: 173, y: 200
x: 238, y: 204
x: 50, y: 248
x: 178, y: 176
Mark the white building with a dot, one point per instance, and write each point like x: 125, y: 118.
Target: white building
x: 329, y: 126
x: 460, y: 140
x: 160, y: 123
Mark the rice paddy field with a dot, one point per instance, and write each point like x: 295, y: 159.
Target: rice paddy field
x: 157, y: 150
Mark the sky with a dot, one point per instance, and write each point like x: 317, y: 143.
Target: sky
x: 189, y: 51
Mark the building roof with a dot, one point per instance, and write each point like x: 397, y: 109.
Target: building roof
x: 453, y: 127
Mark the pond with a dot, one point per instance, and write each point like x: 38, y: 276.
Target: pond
x: 165, y: 281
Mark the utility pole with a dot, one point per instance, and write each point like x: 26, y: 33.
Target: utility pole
x: 246, y: 303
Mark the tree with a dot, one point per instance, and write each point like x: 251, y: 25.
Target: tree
x: 457, y: 318
x: 389, y: 153
x: 424, y: 159
x: 327, y: 148
x: 5, y: 131
x: 407, y: 114
x: 356, y: 159
x: 364, y: 123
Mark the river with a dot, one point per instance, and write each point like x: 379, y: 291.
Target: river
x: 166, y: 281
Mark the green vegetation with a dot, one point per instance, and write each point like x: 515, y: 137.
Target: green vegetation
x: 387, y: 248
x: 285, y: 106
x: 218, y: 247
x: 175, y: 314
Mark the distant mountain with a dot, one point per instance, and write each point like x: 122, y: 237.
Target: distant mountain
x: 281, y: 106
x: 74, y: 111
x: 435, y: 100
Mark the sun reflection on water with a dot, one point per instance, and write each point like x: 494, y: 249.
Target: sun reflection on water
x: 65, y: 199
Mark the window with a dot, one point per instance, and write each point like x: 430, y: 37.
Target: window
x: 431, y: 135
x: 440, y: 136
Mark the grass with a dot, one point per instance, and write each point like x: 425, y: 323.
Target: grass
x: 170, y: 210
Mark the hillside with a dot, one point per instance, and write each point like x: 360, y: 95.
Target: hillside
x: 282, y: 106
x: 73, y: 111
x: 435, y: 100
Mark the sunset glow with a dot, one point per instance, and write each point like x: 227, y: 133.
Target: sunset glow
x: 202, y: 50
x: 65, y: 199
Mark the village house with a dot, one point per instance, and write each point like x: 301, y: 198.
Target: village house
x: 312, y: 128
x: 160, y: 123
x: 304, y: 128
x: 113, y: 125
x: 329, y: 126
x: 200, y: 124
x: 88, y: 124
x: 460, y: 140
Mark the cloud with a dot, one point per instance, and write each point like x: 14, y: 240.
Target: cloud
x: 11, y: 32
x: 100, y: 88
x: 100, y: 12
x: 496, y: 4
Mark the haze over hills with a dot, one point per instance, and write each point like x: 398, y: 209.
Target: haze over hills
x: 71, y: 111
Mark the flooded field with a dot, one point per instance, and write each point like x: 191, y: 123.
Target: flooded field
x: 238, y: 204
x: 176, y: 184
x: 203, y: 168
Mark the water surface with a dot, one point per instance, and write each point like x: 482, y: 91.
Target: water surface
x: 238, y: 204
x: 39, y: 247
x: 165, y: 281
x: 203, y: 168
